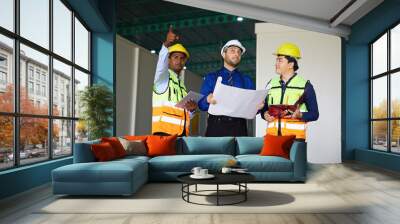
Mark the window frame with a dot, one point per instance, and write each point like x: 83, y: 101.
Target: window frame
x: 16, y: 114
x: 388, y: 74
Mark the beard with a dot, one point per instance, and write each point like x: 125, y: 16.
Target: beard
x: 233, y: 63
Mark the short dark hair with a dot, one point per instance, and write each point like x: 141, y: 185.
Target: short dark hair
x: 292, y: 60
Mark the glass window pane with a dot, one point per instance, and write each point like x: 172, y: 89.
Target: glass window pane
x: 395, y: 136
x: 33, y: 140
x: 81, y: 81
x: 62, y: 29
x: 81, y: 131
x: 6, y: 74
x: 395, y: 47
x: 6, y: 142
x: 7, y: 14
x: 379, y: 135
x: 62, y: 89
x: 379, y: 98
x: 395, y: 94
x: 62, y: 138
x: 34, y: 66
x: 81, y: 45
x: 379, y: 55
x: 35, y: 21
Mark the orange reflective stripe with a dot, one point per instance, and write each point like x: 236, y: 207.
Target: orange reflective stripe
x: 288, y: 127
x: 272, y: 131
x: 169, y: 120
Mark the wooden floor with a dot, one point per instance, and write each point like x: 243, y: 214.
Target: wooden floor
x: 377, y: 188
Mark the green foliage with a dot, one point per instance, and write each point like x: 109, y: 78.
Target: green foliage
x: 380, y: 127
x: 97, y: 104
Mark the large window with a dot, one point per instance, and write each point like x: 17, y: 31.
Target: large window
x: 385, y: 92
x: 44, y: 64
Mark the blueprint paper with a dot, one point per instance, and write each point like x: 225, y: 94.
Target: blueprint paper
x: 236, y: 102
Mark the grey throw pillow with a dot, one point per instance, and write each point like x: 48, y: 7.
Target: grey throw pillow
x: 136, y: 147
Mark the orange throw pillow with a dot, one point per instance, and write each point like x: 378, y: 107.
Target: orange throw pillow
x: 116, y: 145
x: 277, y: 145
x: 103, y: 152
x: 161, y: 145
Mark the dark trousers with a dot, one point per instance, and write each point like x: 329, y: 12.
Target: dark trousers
x: 219, y: 126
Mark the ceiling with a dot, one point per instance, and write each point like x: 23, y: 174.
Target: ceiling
x: 317, y: 9
x: 204, y: 25
x: 203, y: 32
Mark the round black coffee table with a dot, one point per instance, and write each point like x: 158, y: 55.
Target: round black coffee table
x: 238, y: 179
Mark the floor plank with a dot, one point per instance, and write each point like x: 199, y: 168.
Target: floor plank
x: 376, y: 189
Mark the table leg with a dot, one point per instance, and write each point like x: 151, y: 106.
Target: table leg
x: 188, y: 190
x: 245, y: 191
x: 217, y: 194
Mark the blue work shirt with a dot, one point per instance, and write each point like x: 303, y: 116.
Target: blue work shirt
x: 310, y: 99
x: 233, y: 78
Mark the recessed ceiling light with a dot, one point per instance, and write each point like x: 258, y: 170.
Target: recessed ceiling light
x: 184, y: 67
x: 153, y: 51
x: 239, y: 19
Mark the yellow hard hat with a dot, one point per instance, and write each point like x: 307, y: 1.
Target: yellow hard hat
x: 288, y: 49
x: 178, y: 48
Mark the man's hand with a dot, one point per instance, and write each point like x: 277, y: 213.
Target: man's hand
x: 210, y: 99
x: 296, y: 114
x: 268, y: 117
x: 190, y: 105
x: 171, y: 37
x: 260, y: 106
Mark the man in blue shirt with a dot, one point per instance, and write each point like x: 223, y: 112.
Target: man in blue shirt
x: 224, y: 125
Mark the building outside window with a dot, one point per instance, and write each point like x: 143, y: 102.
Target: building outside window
x: 385, y: 92
x: 30, y: 87
x: 30, y: 72
x: 34, y: 75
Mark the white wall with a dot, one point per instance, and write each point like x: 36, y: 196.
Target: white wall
x: 321, y: 64
x: 126, y: 102
x: 135, y: 75
x: 193, y: 82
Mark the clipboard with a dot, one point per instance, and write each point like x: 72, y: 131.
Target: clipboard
x: 190, y: 96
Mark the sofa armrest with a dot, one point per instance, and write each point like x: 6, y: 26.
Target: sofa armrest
x: 83, y: 152
x: 298, y: 155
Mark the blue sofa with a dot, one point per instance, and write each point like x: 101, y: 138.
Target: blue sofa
x: 125, y: 176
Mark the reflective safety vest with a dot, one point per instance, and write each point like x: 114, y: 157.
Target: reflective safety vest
x: 294, y: 90
x: 166, y: 117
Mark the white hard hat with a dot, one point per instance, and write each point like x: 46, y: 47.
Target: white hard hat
x: 233, y: 43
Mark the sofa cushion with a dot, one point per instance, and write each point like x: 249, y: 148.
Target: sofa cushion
x: 249, y: 145
x: 161, y: 145
x: 103, y: 152
x: 83, y: 152
x: 277, y: 145
x: 112, y: 171
x: 257, y: 163
x: 116, y: 145
x: 208, y: 145
x: 130, y: 158
x: 185, y: 163
x: 134, y: 147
